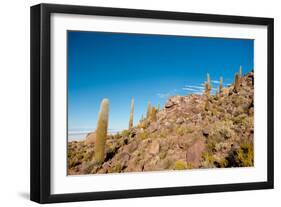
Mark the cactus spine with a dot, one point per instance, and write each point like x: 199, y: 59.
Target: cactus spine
x: 101, y: 131
x: 236, y: 82
x: 221, y: 84
x: 131, y: 114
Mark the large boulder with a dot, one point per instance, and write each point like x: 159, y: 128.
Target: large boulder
x: 154, y: 147
x: 91, y: 138
x: 194, y: 153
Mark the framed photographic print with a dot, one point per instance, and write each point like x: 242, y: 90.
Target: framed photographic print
x: 132, y: 103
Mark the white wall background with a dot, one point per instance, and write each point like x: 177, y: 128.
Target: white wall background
x: 14, y: 102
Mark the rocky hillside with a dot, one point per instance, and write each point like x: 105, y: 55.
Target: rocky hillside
x: 194, y: 131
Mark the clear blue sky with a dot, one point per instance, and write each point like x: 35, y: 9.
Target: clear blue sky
x: 147, y: 67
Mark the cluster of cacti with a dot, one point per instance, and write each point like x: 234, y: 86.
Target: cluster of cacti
x: 208, y: 85
x: 131, y: 114
x: 102, y: 124
x: 151, y: 112
x: 101, y: 131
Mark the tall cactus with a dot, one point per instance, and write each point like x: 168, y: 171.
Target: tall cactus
x: 208, y: 78
x: 131, y: 114
x: 207, y: 104
x: 221, y: 84
x: 240, y: 74
x: 148, y: 110
x: 240, y: 71
x: 208, y: 85
x: 101, y: 131
x: 141, y: 119
x: 217, y: 92
x: 153, y: 113
x: 158, y: 107
x: 236, y: 82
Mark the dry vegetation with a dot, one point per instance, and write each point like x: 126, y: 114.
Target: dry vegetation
x: 194, y: 131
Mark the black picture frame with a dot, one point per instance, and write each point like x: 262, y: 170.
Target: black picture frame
x: 41, y: 96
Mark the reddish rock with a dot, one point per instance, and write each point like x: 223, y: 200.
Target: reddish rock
x: 183, y: 131
x: 194, y: 153
x: 170, y: 104
x: 130, y: 147
x: 154, y: 147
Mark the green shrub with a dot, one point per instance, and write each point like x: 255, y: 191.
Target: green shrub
x: 221, y: 131
x: 163, y: 133
x: 117, y: 168
x: 181, y: 130
x: 245, y: 155
x: 143, y: 135
x: 125, y: 133
x: 180, y: 165
x: 208, y: 160
x: 189, y: 166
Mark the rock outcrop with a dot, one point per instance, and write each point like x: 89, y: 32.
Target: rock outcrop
x: 184, y: 135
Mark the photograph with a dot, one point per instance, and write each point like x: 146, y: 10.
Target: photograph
x: 150, y: 102
x: 130, y: 103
